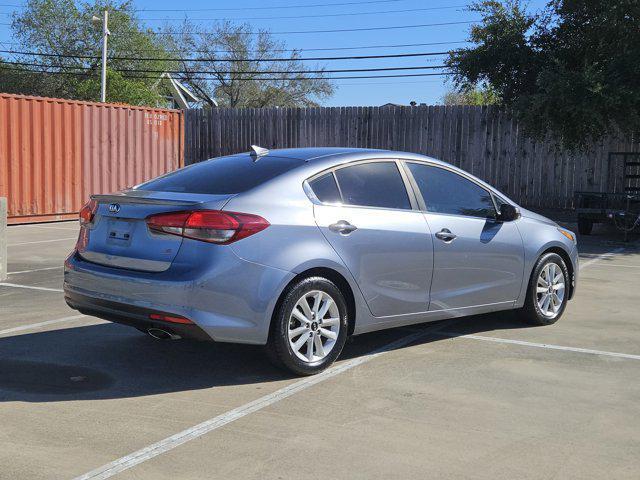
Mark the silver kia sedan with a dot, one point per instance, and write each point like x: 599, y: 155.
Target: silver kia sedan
x: 297, y: 249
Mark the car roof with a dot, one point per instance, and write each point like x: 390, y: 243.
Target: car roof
x: 311, y: 153
x: 314, y: 160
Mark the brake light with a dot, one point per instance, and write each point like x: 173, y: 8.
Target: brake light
x: 213, y: 226
x: 88, y: 212
x: 169, y: 318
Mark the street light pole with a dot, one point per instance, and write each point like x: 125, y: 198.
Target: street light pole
x: 105, y: 36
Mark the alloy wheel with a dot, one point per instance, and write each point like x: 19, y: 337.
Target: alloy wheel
x: 314, y: 326
x: 550, y: 289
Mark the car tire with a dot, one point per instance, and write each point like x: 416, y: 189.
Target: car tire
x: 286, y: 348
x: 585, y: 226
x: 536, y: 310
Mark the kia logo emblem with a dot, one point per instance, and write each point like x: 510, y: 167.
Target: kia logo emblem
x: 114, y: 208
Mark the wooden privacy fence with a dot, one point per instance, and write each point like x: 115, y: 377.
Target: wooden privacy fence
x: 484, y: 141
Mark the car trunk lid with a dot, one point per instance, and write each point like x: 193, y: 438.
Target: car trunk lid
x: 119, y: 236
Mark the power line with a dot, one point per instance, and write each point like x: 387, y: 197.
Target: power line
x: 281, y: 7
x: 402, y: 75
x: 322, y: 15
x: 299, y: 50
x: 341, y: 30
x: 248, y: 72
x: 230, y: 60
x: 317, y: 5
x: 388, y: 83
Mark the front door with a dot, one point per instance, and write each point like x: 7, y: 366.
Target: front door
x: 477, y: 260
x: 384, y: 243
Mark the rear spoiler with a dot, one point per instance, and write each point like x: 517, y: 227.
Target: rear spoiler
x: 135, y: 199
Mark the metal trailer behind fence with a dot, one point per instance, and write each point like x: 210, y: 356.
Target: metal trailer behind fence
x: 54, y: 153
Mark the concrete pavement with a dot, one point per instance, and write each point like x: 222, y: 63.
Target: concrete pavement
x: 77, y: 394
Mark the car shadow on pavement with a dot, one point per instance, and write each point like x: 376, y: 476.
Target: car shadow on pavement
x: 112, y: 361
x: 109, y: 361
x: 434, y: 331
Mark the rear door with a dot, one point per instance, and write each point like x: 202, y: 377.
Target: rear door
x: 366, y: 213
x: 477, y: 260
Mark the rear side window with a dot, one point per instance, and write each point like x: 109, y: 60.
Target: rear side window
x: 373, y: 184
x: 325, y: 189
x: 226, y: 175
x: 447, y: 192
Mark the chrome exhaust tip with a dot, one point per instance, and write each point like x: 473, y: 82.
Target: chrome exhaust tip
x: 160, y: 334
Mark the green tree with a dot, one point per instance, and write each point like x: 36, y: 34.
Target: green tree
x: 571, y: 70
x: 15, y: 79
x: 121, y: 90
x: 474, y: 96
x: 233, y: 53
x: 62, y: 30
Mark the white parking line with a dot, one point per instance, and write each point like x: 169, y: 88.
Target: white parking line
x: 539, y: 345
x: 598, y: 258
x: 41, y: 241
x: 35, y: 270
x: 169, y: 443
x: 33, y: 326
x: 618, y: 265
x: 30, y: 287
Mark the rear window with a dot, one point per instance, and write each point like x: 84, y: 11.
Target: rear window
x: 226, y: 175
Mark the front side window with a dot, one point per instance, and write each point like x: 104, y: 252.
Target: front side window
x: 447, y: 192
x: 499, y: 202
x: 373, y: 184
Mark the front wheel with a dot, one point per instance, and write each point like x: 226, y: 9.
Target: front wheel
x: 547, y: 293
x: 309, y: 328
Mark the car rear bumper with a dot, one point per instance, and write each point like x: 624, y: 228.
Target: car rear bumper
x: 227, y: 298
x: 132, y: 316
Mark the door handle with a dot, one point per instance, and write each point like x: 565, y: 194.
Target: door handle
x: 343, y: 227
x: 445, y: 235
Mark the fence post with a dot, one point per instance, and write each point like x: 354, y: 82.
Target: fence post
x: 3, y: 239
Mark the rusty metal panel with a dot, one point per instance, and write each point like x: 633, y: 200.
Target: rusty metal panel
x: 54, y: 153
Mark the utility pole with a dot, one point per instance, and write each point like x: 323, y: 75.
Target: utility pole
x: 105, y: 36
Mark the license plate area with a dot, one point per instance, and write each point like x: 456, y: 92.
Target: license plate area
x: 120, y: 232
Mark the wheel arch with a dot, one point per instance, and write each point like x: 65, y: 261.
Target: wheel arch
x: 567, y: 260
x: 334, y: 276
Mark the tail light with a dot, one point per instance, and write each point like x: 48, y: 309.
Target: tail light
x: 88, y: 212
x: 213, y: 226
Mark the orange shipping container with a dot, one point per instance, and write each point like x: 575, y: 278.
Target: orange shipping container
x: 54, y: 153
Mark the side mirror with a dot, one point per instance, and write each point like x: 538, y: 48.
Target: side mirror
x: 508, y: 213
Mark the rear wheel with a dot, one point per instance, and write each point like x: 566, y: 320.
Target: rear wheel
x: 309, y: 328
x: 548, y: 292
